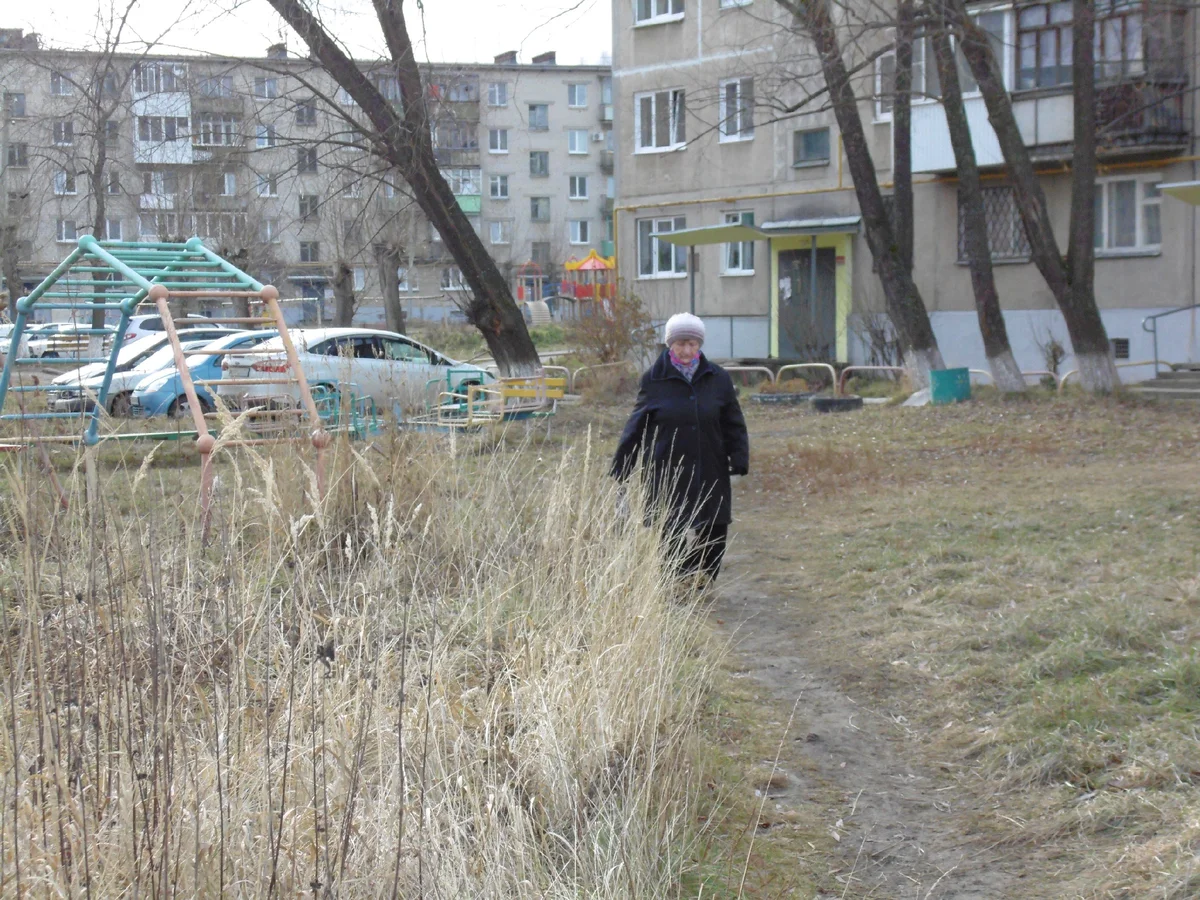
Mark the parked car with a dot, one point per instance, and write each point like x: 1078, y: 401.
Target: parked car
x: 69, y: 393
x: 38, y: 337
x: 151, y: 323
x: 387, y: 367
x: 161, y: 394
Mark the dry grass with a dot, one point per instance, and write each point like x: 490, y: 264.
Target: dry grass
x: 459, y: 676
x: 1021, y: 581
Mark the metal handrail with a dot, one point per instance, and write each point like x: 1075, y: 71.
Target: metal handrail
x: 1152, y: 327
x: 761, y: 369
x: 795, y: 367
x: 841, y: 385
x: 1121, y: 365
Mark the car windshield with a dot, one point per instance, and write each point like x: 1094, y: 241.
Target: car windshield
x: 240, y: 341
x: 130, y: 353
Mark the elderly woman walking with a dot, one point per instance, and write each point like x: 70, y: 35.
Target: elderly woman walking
x: 687, y: 429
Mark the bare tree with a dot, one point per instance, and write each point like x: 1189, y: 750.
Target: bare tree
x: 1069, y: 280
x: 403, y: 140
x: 904, y: 303
x: 902, y: 181
x: 972, y: 216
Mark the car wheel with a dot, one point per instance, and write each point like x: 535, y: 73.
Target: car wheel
x: 50, y: 354
x: 121, y: 406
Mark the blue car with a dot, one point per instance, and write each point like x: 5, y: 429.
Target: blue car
x: 161, y: 394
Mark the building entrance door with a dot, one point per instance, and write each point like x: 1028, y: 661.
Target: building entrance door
x: 808, y: 320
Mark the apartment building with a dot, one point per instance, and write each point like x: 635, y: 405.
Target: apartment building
x: 269, y: 162
x: 720, y: 120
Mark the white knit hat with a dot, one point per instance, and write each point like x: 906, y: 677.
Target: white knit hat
x: 683, y: 327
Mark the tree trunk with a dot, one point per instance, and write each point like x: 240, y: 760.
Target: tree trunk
x: 904, y: 304
x: 10, y: 258
x: 1079, y: 311
x: 902, y: 184
x: 973, y: 222
x: 389, y: 283
x: 1089, y: 338
x: 406, y: 144
x: 343, y: 295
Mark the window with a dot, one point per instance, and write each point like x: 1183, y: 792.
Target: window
x: 498, y: 187
x: 463, y: 181
x: 500, y: 231
x: 1005, y: 230
x: 455, y: 136
x: 112, y: 132
x: 658, y: 120
x: 1118, y: 44
x: 310, y: 206
x: 1044, y: 45
x: 156, y: 78
x: 264, y: 136
x: 160, y: 184
x: 60, y: 85
x: 577, y: 95
x: 306, y: 160
x: 650, y: 12
x: 739, y: 255
x: 737, y: 109
x: 352, y: 189
x: 539, y: 117
x: 810, y: 147
x: 17, y: 156
x: 215, y: 86
x: 268, y: 185
x: 389, y: 87
x: 65, y: 231
x: 268, y: 231
x: 64, y: 182
x: 114, y: 182
x: 352, y: 231
x: 578, y: 230
x: 343, y: 98
x: 14, y: 105
x: 539, y: 209
x: 310, y: 251
x: 577, y: 141
x: 306, y: 112
x: 64, y: 132
x: 216, y: 130
x: 228, y: 184
x: 112, y: 229
x: 539, y: 163
x: 266, y: 88
x: 452, y: 279
x: 658, y: 259
x: 539, y: 253
x: 161, y: 128
x: 729, y: 4
x: 403, y: 278
x: 360, y: 278
x: 1128, y: 215
x: 498, y: 140
x: 498, y: 93
x: 994, y: 23
x: 577, y: 188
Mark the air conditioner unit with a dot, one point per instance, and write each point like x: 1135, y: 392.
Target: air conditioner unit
x: 597, y: 137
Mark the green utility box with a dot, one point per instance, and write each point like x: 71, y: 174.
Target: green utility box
x: 949, y: 386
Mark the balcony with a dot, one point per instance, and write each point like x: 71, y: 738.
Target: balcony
x: 1131, y: 117
x: 606, y: 161
x: 471, y: 204
x: 467, y: 157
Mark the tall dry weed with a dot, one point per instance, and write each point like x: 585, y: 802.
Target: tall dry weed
x: 459, y: 675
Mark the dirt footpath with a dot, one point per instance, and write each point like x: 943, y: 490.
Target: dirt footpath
x: 901, y: 828
x: 902, y: 825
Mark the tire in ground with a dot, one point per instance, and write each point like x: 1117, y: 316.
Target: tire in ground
x: 837, y: 404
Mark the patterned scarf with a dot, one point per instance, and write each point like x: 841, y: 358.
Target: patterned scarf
x: 687, y: 370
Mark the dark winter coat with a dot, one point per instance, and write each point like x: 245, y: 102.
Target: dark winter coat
x: 691, y: 437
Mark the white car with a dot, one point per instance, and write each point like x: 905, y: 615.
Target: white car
x: 388, y: 368
x: 152, y: 323
x: 71, y: 389
x: 38, y: 337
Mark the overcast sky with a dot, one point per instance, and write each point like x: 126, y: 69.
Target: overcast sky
x: 452, y: 30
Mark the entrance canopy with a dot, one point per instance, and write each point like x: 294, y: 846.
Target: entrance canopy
x: 1187, y: 191
x: 830, y: 225
x: 711, y: 234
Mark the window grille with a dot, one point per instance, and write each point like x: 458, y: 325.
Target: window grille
x: 1005, y: 230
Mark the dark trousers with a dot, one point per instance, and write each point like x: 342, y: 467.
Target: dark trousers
x: 707, y: 550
